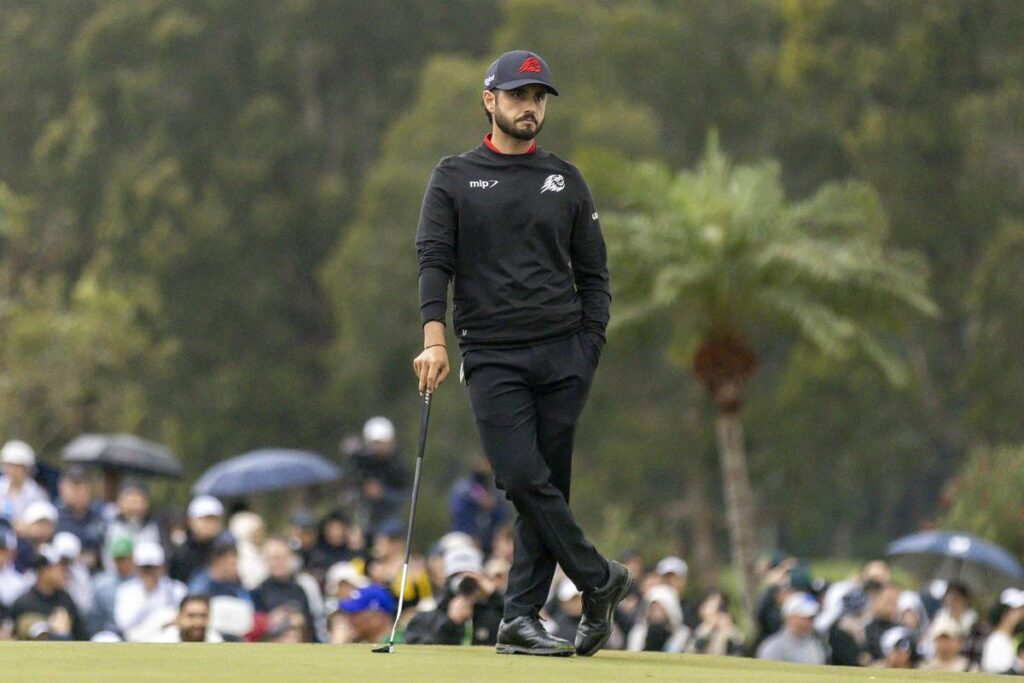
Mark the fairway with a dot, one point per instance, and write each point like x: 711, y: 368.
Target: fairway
x: 111, y: 663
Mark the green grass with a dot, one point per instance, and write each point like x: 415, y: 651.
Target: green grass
x: 242, y: 663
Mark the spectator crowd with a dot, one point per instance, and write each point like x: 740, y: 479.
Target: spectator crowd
x: 73, y: 567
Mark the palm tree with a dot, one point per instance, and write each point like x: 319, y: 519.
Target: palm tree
x: 720, y: 253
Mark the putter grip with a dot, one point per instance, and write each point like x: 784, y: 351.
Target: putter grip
x: 424, y: 421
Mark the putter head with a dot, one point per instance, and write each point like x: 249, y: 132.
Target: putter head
x: 387, y: 648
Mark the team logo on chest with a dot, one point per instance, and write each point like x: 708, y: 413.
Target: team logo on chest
x: 553, y: 183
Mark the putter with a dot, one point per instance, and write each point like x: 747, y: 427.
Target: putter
x: 389, y: 646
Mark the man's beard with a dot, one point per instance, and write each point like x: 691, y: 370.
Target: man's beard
x: 506, y: 126
x: 193, y: 634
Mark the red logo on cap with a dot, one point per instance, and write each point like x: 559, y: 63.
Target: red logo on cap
x: 531, y: 65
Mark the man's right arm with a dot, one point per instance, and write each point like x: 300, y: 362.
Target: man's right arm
x: 435, y: 251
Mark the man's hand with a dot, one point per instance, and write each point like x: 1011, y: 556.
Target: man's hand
x: 431, y: 367
x: 460, y: 608
x: 60, y: 622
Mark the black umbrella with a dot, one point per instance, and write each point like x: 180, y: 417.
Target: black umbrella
x: 124, y: 453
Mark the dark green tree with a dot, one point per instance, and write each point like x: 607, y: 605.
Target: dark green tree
x: 720, y: 252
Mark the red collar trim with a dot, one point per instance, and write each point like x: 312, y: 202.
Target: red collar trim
x: 490, y: 146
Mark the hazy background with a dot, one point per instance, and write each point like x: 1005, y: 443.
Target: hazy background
x: 207, y: 210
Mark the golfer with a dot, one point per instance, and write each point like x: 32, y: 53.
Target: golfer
x: 515, y: 229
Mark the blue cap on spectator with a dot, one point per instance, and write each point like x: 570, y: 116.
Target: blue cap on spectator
x: 373, y: 598
x: 855, y: 601
x: 391, y: 528
x: 304, y: 519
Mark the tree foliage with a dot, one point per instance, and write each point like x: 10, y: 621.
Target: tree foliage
x: 985, y: 498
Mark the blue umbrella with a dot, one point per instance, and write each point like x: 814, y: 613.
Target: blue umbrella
x: 266, y: 470
x: 953, y: 556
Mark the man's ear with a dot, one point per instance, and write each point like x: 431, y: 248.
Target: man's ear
x: 490, y: 100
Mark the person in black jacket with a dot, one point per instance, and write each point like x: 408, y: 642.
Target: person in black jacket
x: 514, y: 229
x: 470, y: 609
x: 49, y: 599
x: 205, y: 526
x: 376, y: 476
x: 280, y: 588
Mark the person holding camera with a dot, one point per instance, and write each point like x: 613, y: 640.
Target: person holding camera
x: 470, y: 609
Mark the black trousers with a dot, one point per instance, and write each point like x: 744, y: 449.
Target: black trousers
x: 526, y: 402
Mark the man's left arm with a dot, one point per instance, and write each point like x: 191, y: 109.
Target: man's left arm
x: 590, y: 266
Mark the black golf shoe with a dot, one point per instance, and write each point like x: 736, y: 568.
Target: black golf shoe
x: 526, y: 636
x: 599, y: 608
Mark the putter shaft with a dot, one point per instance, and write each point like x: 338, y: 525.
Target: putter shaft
x: 421, y: 447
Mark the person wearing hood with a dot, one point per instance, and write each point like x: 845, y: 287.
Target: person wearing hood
x: 333, y: 544
x: 659, y: 623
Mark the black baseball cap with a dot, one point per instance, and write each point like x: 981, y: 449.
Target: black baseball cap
x: 518, y: 68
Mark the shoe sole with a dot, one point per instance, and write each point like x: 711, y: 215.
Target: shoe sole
x: 542, y: 652
x: 623, y: 592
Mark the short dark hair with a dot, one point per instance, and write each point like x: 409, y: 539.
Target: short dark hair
x: 194, y: 597
x: 222, y: 547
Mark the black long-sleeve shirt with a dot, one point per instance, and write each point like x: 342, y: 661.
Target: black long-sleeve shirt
x: 519, y: 237
x: 44, y: 604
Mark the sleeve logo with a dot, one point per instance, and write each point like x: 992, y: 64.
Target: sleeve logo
x: 553, y: 183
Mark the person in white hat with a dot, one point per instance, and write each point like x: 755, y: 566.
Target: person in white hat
x: 17, y: 488
x: 145, y: 604
x: 35, y: 528
x: 797, y: 642
x: 377, y: 476
x: 79, y: 584
x: 205, y: 524
x: 469, y: 611
x: 674, y: 572
x: 566, y: 616
x: 999, y: 652
x: 898, y: 648
x: 947, y: 638
x: 343, y: 578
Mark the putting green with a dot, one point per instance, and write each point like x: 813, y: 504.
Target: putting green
x: 244, y: 663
